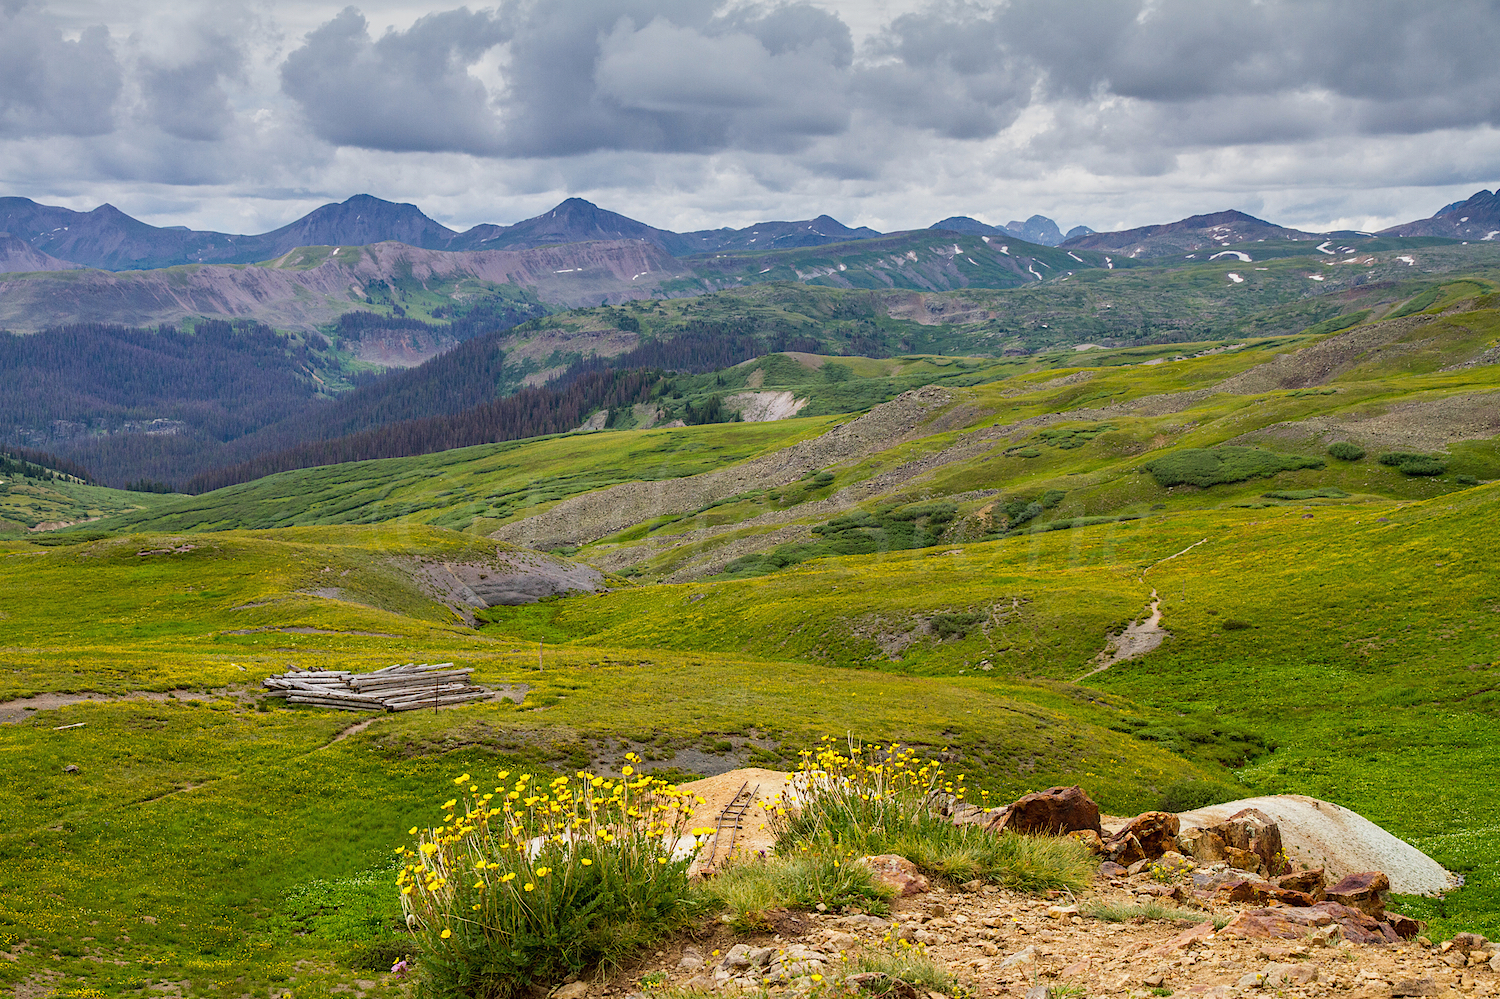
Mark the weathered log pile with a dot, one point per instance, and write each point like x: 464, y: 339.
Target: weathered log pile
x: 394, y: 688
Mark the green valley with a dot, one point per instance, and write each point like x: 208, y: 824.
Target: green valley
x: 938, y: 547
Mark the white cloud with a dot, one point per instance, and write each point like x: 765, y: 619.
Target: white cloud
x: 687, y: 113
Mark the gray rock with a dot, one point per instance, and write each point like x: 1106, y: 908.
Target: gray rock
x: 573, y: 990
x: 738, y: 957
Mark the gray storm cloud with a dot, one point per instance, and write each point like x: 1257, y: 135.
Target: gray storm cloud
x: 580, y: 77
x: 754, y: 101
x: 50, y: 85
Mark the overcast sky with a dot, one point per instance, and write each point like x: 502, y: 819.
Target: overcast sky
x: 689, y: 114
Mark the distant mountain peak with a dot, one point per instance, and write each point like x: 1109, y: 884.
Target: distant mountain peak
x: 1475, y: 218
x: 1187, y: 235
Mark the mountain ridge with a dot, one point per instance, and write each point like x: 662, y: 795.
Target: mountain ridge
x: 1477, y: 217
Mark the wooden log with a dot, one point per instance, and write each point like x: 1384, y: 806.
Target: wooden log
x: 319, y: 702
x: 429, y: 679
x: 427, y: 697
x: 413, y: 685
x: 440, y: 702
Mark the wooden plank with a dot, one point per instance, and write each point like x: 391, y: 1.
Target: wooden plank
x: 452, y: 699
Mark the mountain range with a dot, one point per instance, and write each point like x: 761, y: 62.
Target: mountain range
x: 108, y: 239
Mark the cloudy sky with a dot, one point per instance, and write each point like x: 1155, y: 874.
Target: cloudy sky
x: 691, y: 113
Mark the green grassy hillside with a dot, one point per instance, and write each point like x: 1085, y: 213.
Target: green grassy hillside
x: 945, y: 569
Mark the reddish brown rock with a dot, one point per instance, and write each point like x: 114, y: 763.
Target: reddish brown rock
x: 1202, y: 845
x: 1147, y: 836
x: 1242, y: 890
x: 1307, y: 882
x: 1286, y: 896
x: 1124, y: 849
x: 1358, y: 926
x: 897, y: 873
x: 1406, y: 927
x: 1278, y: 923
x: 1200, y: 934
x: 1110, y: 869
x: 1255, y: 832
x: 1366, y: 892
x: 1052, y: 812
x: 1243, y: 860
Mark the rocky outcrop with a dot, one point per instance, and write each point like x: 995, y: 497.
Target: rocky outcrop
x: 1055, y: 811
x: 1145, y: 837
x: 1251, y: 841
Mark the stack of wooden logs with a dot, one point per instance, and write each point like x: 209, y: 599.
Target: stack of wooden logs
x: 395, y: 688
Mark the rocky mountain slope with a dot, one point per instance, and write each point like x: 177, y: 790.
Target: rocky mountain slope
x: 309, y: 287
x: 19, y: 256
x: 1476, y: 218
x: 1197, y: 232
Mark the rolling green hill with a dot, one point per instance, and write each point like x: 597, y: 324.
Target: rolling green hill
x: 936, y: 549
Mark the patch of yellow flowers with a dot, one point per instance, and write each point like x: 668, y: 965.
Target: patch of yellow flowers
x: 505, y: 859
x: 857, y: 786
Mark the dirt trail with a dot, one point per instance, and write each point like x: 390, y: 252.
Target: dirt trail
x: 1138, y: 638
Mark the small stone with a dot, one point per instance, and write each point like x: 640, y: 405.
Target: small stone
x: 1466, y: 942
x: 1027, y: 956
x: 573, y: 990
x: 897, y: 873
x: 1037, y: 992
x: 972, y: 887
x: 1415, y: 987
x: 1110, y: 869
x: 1254, y: 980
x: 738, y: 957
x: 71, y: 768
x: 1495, y: 962
x: 1061, y: 911
x: 1154, y: 980
x: 691, y: 963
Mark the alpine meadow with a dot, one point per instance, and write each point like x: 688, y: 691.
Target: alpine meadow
x: 398, y: 605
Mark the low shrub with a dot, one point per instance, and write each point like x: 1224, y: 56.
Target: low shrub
x: 897, y: 967
x: 1206, y: 467
x: 946, y: 626
x: 529, y: 883
x: 1345, y: 451
x: 1408, y: 463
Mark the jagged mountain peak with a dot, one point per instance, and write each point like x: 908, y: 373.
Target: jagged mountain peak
x: 1477, y: 217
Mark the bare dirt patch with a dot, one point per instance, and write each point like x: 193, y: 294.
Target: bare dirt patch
x: 1321, y: 362
x: 1420, y: 425
x: 21, y: 708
